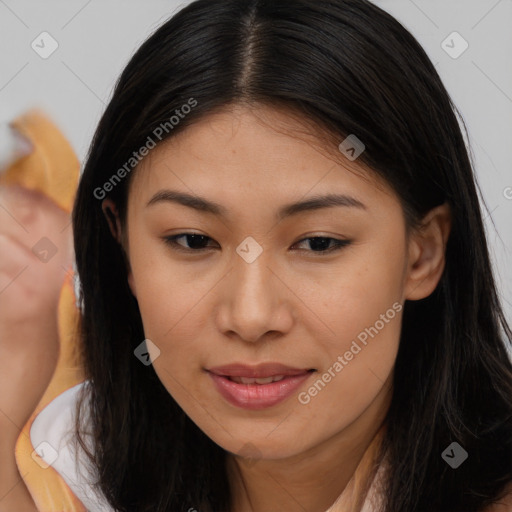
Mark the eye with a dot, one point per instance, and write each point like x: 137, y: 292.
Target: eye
x: 195, y: 240
x: 321, y: 244
x: 198, y: 243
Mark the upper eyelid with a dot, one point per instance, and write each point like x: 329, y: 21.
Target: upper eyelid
x: 185, y: 233
x: 339, y: 242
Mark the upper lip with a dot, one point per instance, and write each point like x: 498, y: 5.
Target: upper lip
x: 257, y: 371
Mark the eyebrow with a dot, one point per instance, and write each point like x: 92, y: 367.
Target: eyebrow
x: 203, y: 205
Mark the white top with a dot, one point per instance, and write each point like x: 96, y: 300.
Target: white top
x: 52, y: 434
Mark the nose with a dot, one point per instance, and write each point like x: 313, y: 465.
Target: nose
x: 256, y: 303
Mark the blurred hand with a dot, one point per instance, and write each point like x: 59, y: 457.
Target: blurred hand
x: 35, y: 254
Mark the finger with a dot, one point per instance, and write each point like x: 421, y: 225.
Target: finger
x: 13, y: 257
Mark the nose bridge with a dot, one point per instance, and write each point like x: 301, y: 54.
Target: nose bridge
x: 252, y: 279
x: 254, y: 297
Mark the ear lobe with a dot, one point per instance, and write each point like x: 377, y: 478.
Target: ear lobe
x: 111, y: 214
x: 427, y: 253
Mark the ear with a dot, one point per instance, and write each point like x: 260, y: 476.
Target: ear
x: 112, y: 215
x: 427, y: 253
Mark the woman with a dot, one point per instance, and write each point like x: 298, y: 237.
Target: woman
x: 287, y: 297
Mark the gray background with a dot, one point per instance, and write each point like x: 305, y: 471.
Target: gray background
x: 96, y: 38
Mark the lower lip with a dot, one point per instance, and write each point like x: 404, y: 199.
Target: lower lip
x: 257, y: 396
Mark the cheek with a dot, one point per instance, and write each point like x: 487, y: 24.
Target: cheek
x: 172, y: 302
x: 170, y: 312
x: 355, y: 293
x: 359, y: 306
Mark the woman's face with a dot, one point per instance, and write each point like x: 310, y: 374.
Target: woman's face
x: 256, y: 290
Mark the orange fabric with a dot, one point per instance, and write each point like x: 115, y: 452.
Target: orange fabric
x: 52, y: 169
x: 47, y: 488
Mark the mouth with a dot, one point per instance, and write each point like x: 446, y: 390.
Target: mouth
x: 255, y: 380
x: 258, y: 387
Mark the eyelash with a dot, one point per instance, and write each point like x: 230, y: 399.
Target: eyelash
x: 171, y: 241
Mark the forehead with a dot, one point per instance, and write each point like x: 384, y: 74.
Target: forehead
x: 268, y: 154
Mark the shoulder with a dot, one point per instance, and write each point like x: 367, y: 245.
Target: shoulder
x: 504, y: 504
x: 52, y: 435
x: 53, y: 422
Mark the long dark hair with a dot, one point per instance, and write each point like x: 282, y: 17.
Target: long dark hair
x: 349, y: 67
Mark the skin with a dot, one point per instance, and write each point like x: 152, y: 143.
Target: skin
x: 293, y: 306
x: 29, y: 293
x: 289, y: 307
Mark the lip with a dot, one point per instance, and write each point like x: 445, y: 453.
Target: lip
x: 257, y: 396
x: 258, y: 371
